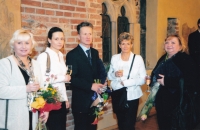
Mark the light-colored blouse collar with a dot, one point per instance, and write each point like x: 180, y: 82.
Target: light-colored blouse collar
x: 53, y: 52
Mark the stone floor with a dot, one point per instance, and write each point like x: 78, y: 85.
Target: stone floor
x: 149, y: 124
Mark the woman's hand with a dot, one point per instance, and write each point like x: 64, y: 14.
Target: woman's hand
x: 32, y: 87
x: 67, y: 78
x: 44, y: 116
x: 67, y: 104
x: 119, y: 73
x: 161, y: 80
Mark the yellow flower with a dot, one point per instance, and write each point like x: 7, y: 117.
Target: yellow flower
x: 101, y: 113
x: 52, y: 92
x: 38, y: 103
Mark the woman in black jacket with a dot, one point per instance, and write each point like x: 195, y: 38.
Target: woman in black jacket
x: 173, y: 69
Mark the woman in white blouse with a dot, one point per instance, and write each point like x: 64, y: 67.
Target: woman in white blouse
x: 57, y: 118
x: 118, y: 73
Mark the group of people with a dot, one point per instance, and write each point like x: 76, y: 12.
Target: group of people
x: 17, y: 69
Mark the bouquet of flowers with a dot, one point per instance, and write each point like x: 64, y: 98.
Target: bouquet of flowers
x: 99, y: 101
x: 47, y: 99
x: 149, y: 103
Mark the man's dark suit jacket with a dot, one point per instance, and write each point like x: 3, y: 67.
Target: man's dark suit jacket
x: 194, y: 46
x: 83, y: 75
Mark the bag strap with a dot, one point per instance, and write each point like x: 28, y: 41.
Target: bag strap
x: 131, y: 66
x: 48, y: 64
x: 10, y: 65
x: 6, y: 117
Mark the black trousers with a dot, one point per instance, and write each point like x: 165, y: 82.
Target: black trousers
x: 83, y: 121
x: 126, y: 119
x: 57, y: 118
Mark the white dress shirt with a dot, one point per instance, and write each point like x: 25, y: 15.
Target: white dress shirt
x: 84, y: 49
x: 58, y: 68
x: 136, y: 79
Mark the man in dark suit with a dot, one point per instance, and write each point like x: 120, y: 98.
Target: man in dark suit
x: 84, y: 61
x: 194, y: 45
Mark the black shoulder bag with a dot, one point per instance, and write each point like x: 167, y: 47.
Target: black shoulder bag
x: 6, y: 116
x: 119, y: 97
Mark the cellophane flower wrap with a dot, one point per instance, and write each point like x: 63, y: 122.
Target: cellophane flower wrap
x: 47, y: 99
x: 149, y: 103
x: 100, y: 100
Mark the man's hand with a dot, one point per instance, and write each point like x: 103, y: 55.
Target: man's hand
x: 97, y: 87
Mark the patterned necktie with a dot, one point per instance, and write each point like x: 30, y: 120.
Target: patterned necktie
x: 89, y: 56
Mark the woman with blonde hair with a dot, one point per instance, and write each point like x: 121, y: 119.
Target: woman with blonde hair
x: 16, y: 71
x: 177, y: 76
x: 127, y: 70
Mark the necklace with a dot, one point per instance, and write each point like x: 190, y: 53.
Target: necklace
x: 166, y: 58
x: 29, y: 71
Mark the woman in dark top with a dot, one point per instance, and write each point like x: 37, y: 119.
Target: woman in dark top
x: 26, y: 78
x: 16, y: 83
x: 172, y: 68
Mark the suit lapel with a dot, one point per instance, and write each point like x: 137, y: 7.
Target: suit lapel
x: 93, y: 58
x: 83, y: 55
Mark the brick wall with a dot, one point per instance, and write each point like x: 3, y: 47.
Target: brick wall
x: 40, y: 15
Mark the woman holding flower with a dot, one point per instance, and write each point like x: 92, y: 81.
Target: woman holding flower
x: 177, y: 77
x: 16, y: 74
x: 56, y: 40
x: 118, y: 73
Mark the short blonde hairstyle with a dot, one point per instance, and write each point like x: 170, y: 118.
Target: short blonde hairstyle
x: 125, y: 36
x: 22, y: 35
x: 183, y: 47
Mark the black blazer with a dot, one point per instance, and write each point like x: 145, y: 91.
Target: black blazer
x: 83, y: 75
x: 194, y: 46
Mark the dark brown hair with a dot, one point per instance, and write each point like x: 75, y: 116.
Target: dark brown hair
x: 50, y: 33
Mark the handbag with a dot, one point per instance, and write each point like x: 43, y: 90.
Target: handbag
x: 7, y: 101
x: 119, y: 97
